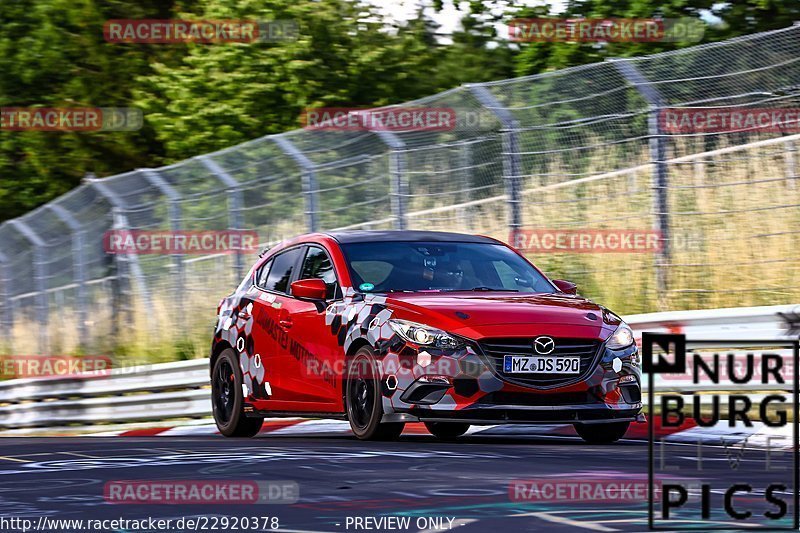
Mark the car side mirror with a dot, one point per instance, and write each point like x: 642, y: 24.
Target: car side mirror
x: 567, y: 287
x: 313, y: 289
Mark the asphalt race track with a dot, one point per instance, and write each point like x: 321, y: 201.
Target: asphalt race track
x: 338, y: 477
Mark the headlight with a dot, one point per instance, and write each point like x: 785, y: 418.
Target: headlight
x: 423, y: 335
x: 622, y: 338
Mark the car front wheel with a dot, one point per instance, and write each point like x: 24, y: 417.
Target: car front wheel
x: 363, y: 399
x: 602, y: 433
x: 227, y: 398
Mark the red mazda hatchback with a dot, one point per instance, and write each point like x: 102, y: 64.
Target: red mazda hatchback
x: 386, y: 327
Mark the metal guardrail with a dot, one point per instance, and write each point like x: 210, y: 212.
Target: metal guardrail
x: 776, y: 322
x: 179, y: 390
x: 158, y: 392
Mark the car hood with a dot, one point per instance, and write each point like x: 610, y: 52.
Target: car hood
x: 490, y: 314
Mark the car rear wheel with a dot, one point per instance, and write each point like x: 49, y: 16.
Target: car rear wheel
x: 227, y: 398
x: 363, y: 399
x: 447, y: 430
x: 602, y: 433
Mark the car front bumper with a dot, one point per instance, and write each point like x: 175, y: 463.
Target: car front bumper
x: 468, y: 390
x: 508, y: 414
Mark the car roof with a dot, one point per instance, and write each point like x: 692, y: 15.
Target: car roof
x: 356, y: 236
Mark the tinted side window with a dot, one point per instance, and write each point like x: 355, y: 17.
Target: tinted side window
x: 281, y: 271
x: 261, y: 275
x: 318, y: 265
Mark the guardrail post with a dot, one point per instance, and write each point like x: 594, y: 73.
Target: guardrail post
x: 235, y: 204
x: 310, y: 188
x: 40, y: 280
x: 512, y: 164
x: 658, y: 156
x: 126, y: 265
x: 397, y: 170
x: 78, y: 239
x: 174, y: 213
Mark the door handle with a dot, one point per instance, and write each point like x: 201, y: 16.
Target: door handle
x: 244, y: 315
x: 285, y: 323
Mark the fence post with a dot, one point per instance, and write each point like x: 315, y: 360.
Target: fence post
x: 125, y: 265
x: 174, y: 213
x: 5, y: 300
x: 464, y: 163
x: 658, y: 152
x: 235, y: 204
x: 39, y: 258
x: 397, y: 170
x: 790, y: 158
x: 310, y: 188
x: 78, y: 267
x: 512, y: 164
x: 699, y: 172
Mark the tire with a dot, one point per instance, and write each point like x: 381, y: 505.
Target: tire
x: 227, y: 398
x: 602, y: 433
x: 447, y: 430
x: 364, y: 401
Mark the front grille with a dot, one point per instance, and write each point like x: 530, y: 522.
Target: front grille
x: 549, y: 399
x: 496, y: 348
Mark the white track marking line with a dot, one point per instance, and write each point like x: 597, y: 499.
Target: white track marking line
x: 76, y: 454
x: 14, y: 459
x: 568, y: 522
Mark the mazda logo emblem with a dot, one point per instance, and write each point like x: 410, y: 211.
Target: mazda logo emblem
x: 544, y: 345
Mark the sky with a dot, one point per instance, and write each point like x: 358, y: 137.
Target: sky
x: 449, y: 16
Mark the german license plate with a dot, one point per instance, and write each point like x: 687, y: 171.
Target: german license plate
x: 523, y: 364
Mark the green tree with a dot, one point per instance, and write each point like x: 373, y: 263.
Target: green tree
x: 724, y: 20
x: 53, y: 54
x: 477, y: 52
x: 344, y: 55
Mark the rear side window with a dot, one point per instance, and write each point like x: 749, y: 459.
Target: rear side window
x: 261, y: 275
x: 281, y: 271
x: 318, y: 265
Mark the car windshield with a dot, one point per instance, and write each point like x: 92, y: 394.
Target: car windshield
x: 435, y: 266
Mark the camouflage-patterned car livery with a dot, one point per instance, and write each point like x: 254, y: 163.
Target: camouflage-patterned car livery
x: 293, y: 350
